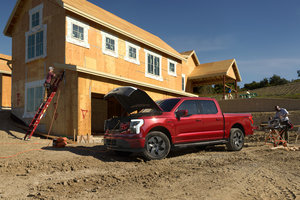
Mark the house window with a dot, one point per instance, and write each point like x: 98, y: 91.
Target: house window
x: 153, y: 66
x: 36, y: 44
x: 132, y: 53
x: 183, y: 82
x: 172, y: 67
x: 35, y: 17
x: 109, y: 44
x: 77, y: 32
x: 36, y: 36
x: 34, y: 93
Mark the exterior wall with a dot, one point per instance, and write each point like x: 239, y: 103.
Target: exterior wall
x: 5, y: 93
x: 88, y: 84
x: 36, y: 70
x: 187, y: 68
x: 93, y: 58
x: 5, y: 83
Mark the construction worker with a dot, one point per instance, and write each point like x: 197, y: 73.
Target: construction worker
x: 282, y: 115
x: 48, y: 81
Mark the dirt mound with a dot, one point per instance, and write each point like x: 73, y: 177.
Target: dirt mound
x: 38, y: 171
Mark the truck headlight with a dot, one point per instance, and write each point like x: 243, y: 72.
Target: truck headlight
x: 135, y: 125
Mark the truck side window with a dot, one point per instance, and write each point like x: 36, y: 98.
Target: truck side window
x: 207, y: 107
x: 190, y: 106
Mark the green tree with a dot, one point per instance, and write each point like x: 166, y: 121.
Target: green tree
x: 277, y: 80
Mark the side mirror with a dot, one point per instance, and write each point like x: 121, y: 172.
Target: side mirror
x: 181, y: 113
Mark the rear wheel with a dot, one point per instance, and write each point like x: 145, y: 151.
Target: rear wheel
x: 157, y: 146
x: 236, y: 140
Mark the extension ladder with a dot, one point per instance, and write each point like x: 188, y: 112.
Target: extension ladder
x: 42, y: 109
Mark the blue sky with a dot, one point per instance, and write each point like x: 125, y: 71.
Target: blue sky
x: 262, y: 35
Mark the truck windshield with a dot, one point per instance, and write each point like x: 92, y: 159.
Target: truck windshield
x: 168, y: 104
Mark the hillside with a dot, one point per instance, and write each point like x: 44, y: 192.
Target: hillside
x: 290, y: 90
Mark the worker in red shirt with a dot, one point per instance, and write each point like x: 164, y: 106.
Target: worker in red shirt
x: 48, y: 80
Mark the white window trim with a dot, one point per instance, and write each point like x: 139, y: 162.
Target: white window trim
x: 184, y: 84
x: 31, y: 85
x: 31, y: 32
x: 106, y: 51
x: 32, y: 11
x: 128, y: 58
x: 159, y: 78
x: 70, y: 39
x: 169, y: 72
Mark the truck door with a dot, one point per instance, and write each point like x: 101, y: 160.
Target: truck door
x: 188, y: 127
x: 212, y: 123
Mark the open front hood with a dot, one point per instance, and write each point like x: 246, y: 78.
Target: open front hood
x: 132, y: 99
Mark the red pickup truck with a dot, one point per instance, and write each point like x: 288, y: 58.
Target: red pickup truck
x: 154, y: 128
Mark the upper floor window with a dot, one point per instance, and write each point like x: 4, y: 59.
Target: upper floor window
x: 35, y: 16
x: 172, y: 67
x: 77, y: 32
x: 132, y: 53
x: 109, y: 44
x: 183, y: 82
x: 36, y: 43
x: 153, y: 65
x: 35, y: 19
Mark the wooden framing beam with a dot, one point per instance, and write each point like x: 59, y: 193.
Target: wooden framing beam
x: 121, y: 79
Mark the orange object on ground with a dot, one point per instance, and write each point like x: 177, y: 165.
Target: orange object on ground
x: 60, y: 142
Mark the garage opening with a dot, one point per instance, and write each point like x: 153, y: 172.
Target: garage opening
x: 102, y: 110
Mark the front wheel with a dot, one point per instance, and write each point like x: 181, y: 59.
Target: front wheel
x: 157, y: 146
x: 236, y: 140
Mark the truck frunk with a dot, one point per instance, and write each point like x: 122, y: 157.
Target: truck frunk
x: 154, y: 128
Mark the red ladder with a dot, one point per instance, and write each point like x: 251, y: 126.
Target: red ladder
x: 42, y: 109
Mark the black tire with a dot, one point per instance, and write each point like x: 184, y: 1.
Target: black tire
x: 157, y: 146
x: 236, y: 140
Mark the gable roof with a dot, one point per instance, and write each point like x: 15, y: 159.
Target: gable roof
x: 214, y: 72
x: 192, y: 53
x: 100, y: 16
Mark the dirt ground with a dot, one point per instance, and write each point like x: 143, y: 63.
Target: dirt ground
x: 35, y: 170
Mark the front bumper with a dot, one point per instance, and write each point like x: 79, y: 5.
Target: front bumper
x: 124, y: 144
